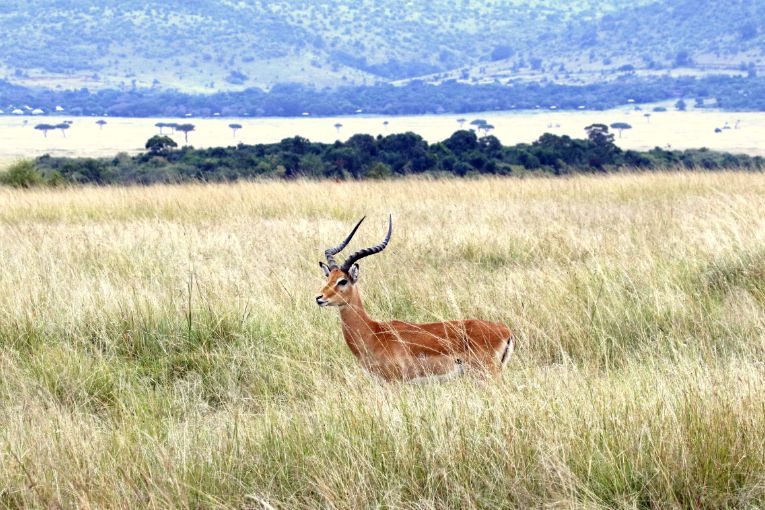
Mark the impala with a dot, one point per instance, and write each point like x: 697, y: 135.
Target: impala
x: 405, y: 351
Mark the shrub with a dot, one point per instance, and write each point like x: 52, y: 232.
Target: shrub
x: 22, y: 174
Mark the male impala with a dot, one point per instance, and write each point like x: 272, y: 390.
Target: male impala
x: 405, y: 351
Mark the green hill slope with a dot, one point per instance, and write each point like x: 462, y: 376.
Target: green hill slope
x: 205, y: 45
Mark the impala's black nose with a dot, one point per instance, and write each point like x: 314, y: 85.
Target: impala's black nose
x: 320, y: 301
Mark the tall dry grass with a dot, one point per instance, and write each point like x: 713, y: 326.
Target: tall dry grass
x: 159, y: 347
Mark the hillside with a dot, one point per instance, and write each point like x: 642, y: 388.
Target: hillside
x: 226, y: 45
x: 678, y: 38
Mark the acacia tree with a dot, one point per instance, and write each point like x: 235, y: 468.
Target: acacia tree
x: 461, y: 121
x: 235, y: 127
x: 185, y: 129
x: 101, y: 123
x: 621, y: 126
x: 161, y: 125
x: 338, y: 126
x: 63, y: 127
x: 44, y: 128
x: 485, y: 128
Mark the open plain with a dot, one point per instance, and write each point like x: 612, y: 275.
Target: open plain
x: 160, y: 347
x: 740, y: 132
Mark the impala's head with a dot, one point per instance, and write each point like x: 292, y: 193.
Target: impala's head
x: 341, y: 279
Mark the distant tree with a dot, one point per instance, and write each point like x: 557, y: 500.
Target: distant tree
x: 63, y: 127
x: 647, y: 117
x: 461, y: 142
x: 680, y: 105
x: 501, y: 52
x: 235, y: 127
x: 598, y: 134
x: 185, y: 129
x: 485, y: 128
x: 161, y: 126
x: 236, y: 77
x: 44, y: 128
x: 621, y: 126
x: 748, y: 31
x: 338, y: 126
x: 160, y: 144
x: 461, y: 121
x: 683, y: 59
x: 478, y: 123
x: 603, y: 151
x: 101, y: 123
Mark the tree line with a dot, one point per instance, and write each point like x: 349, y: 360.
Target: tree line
x: 362, y: 156
x: 734, y: 93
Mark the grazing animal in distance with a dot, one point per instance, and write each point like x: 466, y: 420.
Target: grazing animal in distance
x: 405, y: 351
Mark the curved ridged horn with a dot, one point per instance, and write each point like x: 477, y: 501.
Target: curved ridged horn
x: 368, y: 251
x: 330, y: 252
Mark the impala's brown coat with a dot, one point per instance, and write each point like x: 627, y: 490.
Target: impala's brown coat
x: 405, y: 351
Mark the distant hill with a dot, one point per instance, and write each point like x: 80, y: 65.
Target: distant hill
x: 207, y: 46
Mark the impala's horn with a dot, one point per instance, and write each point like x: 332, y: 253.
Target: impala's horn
x: 368, y: 251
x: 331, y: 252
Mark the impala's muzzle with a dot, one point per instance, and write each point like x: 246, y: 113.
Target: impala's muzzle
x: 321, y: 301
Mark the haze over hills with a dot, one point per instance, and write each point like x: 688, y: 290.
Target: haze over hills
x: 208, y: 46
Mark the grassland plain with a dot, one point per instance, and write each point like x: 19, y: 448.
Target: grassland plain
x: 160, y: 347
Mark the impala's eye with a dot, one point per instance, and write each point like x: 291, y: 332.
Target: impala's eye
x: 342, y: 283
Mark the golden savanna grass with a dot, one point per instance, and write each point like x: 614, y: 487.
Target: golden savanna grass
x: 160, y: 347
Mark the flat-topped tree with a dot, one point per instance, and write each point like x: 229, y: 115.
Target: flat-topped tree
x: 621, y: 126
x: 63, y: 127
x: 338, y: 126
x: 101, y: 123
x: 235, y: 127
x: 485, y: 128
x: 185, y: 129
x: 161, y: 126
x: 44, y: 128
x: 461, y: 122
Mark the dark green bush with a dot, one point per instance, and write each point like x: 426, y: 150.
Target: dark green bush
x: 22, y: 174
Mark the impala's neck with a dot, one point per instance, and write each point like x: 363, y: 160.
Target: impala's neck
x: 358, y: 328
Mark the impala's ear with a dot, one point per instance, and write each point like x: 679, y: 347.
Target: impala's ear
x: 325, y: 268
x: 353, y: 272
